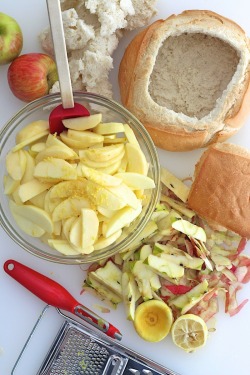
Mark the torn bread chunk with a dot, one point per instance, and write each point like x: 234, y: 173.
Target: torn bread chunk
x: 92, y: 31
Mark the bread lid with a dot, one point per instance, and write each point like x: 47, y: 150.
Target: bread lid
x: 220, y: 192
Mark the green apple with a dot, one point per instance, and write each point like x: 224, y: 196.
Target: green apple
x: 32, y: 75
x: 11, y: 39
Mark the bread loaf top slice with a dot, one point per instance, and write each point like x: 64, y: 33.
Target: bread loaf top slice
x: 220, y: 192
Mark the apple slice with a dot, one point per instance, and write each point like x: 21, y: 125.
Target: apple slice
x: 175, y: 184
x: 100, y: 178
x: 66, y: 189
x: 63, y: 247
x: 102, y: 196
x: 27, y: 226
x: 108, y: 213
x: 115, y: 140
x: 136, y: 181
x: 112, y: 168
x: 16, y: 164
x: 190, y: 229
x: 136, y: 160
x: 16, y: 198
x: 90, y: 226
x: 124, y: 164
x: 66, y: 225
x: 105, y: 153
x: 109, y: 128
x: 87, y: 250
x: 31, y: 130
x: 30, y: 140
x: 37, y: 147
x: 57, y: 228
x: 75, y: 233
x: 60, y: 152
x: 70, y: 207
x: 53, y: 140
x: 75, y: 237
x: 38, y: 200
x: 103, y: 242
x: 83, y: 123
x: 123, y: 192
x: 29, y: 168
x: 33, y: 214
x: 99, y: 164
x: 86, y: 140
x: 120, y: 219
x: 30, y: 189
x: 130, y: 135
x: 54, y: 170
x: 51, y: 204
x: 10, y: 185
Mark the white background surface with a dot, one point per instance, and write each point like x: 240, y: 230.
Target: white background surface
x: 227, y: 350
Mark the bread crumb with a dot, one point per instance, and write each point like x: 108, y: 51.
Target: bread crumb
x: 92, y: 31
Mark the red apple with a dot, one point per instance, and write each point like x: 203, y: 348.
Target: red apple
x: 11, y: 39
x: 32, y: 75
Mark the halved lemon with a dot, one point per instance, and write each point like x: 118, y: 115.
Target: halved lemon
x: 189, y: 332
x: 153, y: 320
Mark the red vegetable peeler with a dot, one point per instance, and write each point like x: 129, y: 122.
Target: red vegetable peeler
x: 56, y: 295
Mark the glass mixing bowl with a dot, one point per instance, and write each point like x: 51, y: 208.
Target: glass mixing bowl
x: 112, y: 111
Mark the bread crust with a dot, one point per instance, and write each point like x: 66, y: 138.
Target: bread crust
x: 172, y: 132
x: 220, y: 192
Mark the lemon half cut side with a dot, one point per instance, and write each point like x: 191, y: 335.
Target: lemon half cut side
x: 153, y: 320
x: 189, y: 332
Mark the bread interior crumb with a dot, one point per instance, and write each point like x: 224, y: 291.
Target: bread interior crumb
x: 191, y: 72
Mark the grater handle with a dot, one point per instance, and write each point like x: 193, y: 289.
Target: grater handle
x: 55, y: 295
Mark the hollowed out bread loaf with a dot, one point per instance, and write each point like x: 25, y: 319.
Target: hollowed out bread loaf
x: 186, y: 79
x: 220, y: 192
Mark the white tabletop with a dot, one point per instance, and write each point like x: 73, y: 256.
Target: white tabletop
x: 227, y: 349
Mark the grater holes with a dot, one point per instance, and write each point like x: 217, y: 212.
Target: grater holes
x: 79, y: 355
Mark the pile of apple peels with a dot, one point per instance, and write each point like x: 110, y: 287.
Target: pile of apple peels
x: 177, y: 258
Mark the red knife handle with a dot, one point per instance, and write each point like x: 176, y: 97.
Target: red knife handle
x: 56, y: 295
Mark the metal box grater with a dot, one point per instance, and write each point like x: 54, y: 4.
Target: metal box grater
x: 79, y: 350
